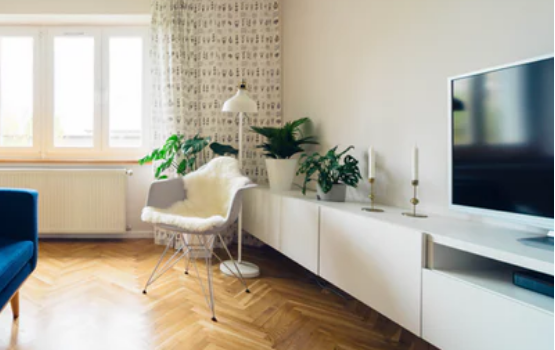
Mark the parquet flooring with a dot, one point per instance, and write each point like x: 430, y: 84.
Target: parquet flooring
x: 87, y: 295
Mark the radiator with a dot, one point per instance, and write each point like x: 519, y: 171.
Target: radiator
x: 75, y: 201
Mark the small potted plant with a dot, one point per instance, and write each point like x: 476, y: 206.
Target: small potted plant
x: 334, y: 173
x: 281, y: 144
x: 177, y: 155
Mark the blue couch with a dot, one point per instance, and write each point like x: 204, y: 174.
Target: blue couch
x: 18, y: 242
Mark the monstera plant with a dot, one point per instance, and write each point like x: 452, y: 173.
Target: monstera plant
x: 281, y: 143
x: 334, y: 172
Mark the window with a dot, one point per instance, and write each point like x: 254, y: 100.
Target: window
x: 125, y: 94
x: 73, y: 92
x: 73, y: 86
x: 17, y: 90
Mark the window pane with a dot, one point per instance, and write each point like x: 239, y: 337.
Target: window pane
x: 16, y: 91
x: 125, y: 85
x: 73, y: 91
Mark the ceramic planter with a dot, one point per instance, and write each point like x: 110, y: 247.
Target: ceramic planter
x: 281, y: 173
x: 337, y: 193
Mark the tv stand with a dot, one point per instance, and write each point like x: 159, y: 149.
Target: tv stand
x: 545, y: 242
x: 446, y: 280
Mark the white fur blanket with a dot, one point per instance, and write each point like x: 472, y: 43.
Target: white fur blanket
x: 210, y: 193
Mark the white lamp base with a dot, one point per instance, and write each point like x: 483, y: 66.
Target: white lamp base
x: 248, y: 270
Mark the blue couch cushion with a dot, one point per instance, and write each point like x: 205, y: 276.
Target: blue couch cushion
x: 14, y: 255
x: 13, y: 285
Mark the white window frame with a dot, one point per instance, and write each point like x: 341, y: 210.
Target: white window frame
x: 50, y: 149
x: 108, y: 33
x: 35, y: 149
x: 43, y: 108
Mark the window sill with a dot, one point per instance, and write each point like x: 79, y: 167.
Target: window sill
x: 69, y: 161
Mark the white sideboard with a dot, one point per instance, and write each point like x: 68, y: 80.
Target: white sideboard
x: 299, y: 232
x: 463, y: 316
x: 445, y: 280
x: 378, y: 263
x: 262, y: 216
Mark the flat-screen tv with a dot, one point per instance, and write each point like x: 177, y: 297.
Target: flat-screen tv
x: 501, y: 134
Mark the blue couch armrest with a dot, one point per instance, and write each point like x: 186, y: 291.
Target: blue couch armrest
x: 19, y: 217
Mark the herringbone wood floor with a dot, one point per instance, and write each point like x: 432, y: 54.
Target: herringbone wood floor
x: 87, y: 295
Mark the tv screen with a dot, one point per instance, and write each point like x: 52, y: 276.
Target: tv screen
x: 502, y: 138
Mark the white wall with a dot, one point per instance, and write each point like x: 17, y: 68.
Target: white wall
x: 374, y: 72
x: 85, y: 7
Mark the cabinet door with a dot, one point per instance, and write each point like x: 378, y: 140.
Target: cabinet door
x: 459, y: 316
x: 299, y: 232
x: 261, y: 216
x: 378, y: 263
x: 250, y: 202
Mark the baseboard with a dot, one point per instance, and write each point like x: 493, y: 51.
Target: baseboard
x: 127, y: 235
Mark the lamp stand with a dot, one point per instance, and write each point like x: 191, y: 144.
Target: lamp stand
x: 247, y: 269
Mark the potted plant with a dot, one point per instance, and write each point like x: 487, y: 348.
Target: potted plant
x: 281, y: 144
x: 333, y: 173
x: 176, y: 154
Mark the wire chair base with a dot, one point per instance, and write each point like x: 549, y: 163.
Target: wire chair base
x: 190, y: 245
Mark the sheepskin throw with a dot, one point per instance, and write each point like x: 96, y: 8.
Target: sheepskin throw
x: 210, y: 193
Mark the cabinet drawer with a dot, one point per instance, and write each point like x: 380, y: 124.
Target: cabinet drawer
x: 460, y: 316
x: 378, y: 263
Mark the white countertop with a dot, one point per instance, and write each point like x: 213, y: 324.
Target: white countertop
x: 490, y: 241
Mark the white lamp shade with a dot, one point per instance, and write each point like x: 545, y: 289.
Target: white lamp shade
x: 241, y: 102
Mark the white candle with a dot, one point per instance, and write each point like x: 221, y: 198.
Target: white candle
x: 415, y: 163
x: 371, y: 163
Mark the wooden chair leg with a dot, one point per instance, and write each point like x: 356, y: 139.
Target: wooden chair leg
x: 15, y: 305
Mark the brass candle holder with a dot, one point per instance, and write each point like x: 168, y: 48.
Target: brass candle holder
x: 371, y: 197
x: 414, y: 201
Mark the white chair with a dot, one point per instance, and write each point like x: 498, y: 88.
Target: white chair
x: 197, y: 208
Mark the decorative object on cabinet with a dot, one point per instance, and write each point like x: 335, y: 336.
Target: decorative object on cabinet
x: 372, y: 197
x: 371, y: 180
x: 240, y: 103
x: 414, y: 200
x: 335, y: 171
x: 281, y: 144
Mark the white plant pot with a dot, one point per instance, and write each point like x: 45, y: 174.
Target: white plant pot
x: 281, y: 173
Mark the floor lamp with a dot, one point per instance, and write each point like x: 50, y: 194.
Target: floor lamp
x: 240, y: 103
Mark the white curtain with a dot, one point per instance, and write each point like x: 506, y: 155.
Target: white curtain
x: 200, y: 52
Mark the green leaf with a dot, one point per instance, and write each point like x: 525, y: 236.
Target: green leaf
x: 182, y: 167
x: 176, y: 147
x: 191, y: 163
x: 223, y: 150
x: 195, y: 145
x: 284, y: 142
x: 296, y: 123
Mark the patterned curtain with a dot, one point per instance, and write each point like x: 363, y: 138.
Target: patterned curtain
x: 200, y: 52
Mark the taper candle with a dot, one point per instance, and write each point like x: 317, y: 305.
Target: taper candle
x: 371, y: 163
x: 415, y: 163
